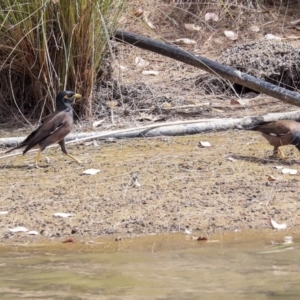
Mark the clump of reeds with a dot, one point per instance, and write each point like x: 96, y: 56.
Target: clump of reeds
x: 51, y: 45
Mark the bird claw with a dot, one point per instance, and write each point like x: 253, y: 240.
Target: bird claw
x: 48, y: 160
x: 281, y: 155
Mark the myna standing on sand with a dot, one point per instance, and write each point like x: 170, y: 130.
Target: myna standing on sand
x: 54, y: 128
x: 280, y: 133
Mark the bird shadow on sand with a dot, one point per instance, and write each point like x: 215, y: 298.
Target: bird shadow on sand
x: 266, y: 160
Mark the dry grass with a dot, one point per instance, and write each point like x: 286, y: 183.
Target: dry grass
x: 47, y: 46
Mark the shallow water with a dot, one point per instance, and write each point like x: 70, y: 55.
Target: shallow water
x: 229, y: 266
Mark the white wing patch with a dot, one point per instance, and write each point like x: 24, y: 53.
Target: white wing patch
x: 61, y: 124
x: 278, y: 135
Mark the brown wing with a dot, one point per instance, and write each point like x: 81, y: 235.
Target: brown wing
x: 278, y: 128
x: 51, y: 124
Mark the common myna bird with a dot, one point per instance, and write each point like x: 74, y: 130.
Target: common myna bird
x: 280, y: 133
x: 54, y: 127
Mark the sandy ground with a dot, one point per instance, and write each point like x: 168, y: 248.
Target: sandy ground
x: 148, y: 186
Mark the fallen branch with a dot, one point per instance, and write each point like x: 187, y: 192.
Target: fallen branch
x: 210, y: 66
x: 166, y: 129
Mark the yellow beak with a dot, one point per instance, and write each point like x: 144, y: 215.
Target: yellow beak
x: 77, y: 96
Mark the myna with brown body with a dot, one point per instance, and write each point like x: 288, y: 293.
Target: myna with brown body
x: 54, y: 127
x: 280, y: 133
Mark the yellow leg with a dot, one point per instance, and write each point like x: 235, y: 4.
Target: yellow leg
x: 38, y: 157
x: 74, y: 158
x: 280, y: 154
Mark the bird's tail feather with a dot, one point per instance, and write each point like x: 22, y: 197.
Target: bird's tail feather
x: 15, y: 148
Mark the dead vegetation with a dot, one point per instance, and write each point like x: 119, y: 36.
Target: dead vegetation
x: 275, y: 62
x: 46, y: 47
x: 175, y: 90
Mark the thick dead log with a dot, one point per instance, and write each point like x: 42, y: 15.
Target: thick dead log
x: 209, y: 66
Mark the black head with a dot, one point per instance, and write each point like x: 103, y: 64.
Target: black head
x: 296, y: 139
x: 65, y: 98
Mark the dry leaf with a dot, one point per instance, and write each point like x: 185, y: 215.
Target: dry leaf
x: 254, y: 28
x: 123, y: 67
x: 97, y: 123
x: 136, y: 183
x: 166, y: 105
x: 231, y: 35
x: 275, y: 225
x: 270, y: 36
x: 150, y: 72
x: 192, y: 27
x: 231, y: 158
x: 138, y: 12
x: 63, y: 215
x: 122, y: 20
x: 199, y: 238
x: 216, y: 109
x: 295, y: 22
x: 204, y: 144
x: 140, y: 62
x: 293, y: 37
x: 18, y: 229
x: 32, y: 232
x: 112, y: 103
x: 239, y: 102
x: 188, y: 232
x: 91, y: 171
x: 185, y: 41
x: 289, y: 171
x: 211, y: 16
x: 271, y: 178
x: 68, y: 240
x: 148, y: 22
x: 279, y: 167
x: 93, y: 142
